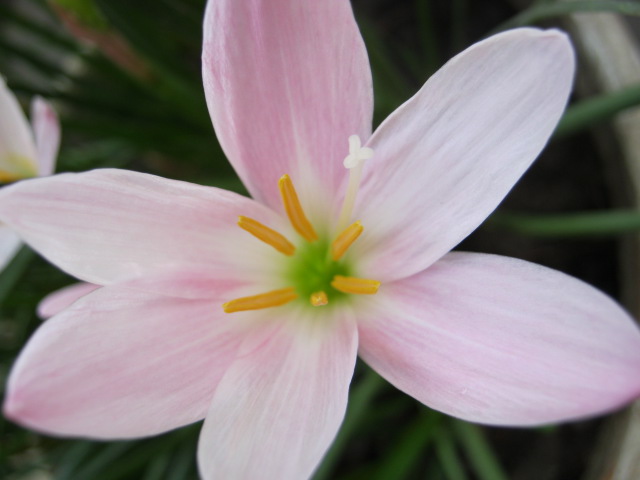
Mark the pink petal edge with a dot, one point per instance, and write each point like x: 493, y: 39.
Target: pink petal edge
x: 105, y: 226
x: 63, y: 298
x: 121, y: 363
x: 279, y: 406
x: 501, y: 341
x: 446, y: 158
x: 10, y: 243
x: 285, y: 95
x: 46, y: 131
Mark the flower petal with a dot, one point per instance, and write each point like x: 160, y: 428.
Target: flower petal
x: 57, y: 301
x: 287, y: 82
x: 501, y: 341
x: 446, y: 158
x: 122, y: 363
x: 278, y: 408
x: 46, y: 130
x: 9, y: 245
x: 17, y: 149
x: 106, y: 225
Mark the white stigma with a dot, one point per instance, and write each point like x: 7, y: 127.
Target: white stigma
x: 353, y: 162
x: 357, y: 153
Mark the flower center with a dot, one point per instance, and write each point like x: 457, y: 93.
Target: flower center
x: 319, y: 272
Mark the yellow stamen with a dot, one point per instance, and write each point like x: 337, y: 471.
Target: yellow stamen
x: 341, y: 244
x: 294, y: 209
x: 267, y: 235
x: 274, y: 298
x: 319, y: 299
x: 359, y: 286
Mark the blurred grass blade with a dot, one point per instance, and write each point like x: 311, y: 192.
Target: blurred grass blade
x: 361, y: 395
x: 596, y: 109
x: 600, y: 223
x: 103, y: 460
x: 450, y: 460
x: 401, y: 460
x: 14, y: 271
x: 428, y: 37
x: 478, y: 451
x: 544, y: 11
x: 38, y: 29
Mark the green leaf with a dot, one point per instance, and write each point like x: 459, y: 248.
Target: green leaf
x: 544, y: 11
x: 478, y: 450
x: 449, y: 457
x: 85, y: 11
x: 582, y: 224
x: 361, y: 396
x: 596, y: 109
x: 15, y: 271
x: 408, y: 449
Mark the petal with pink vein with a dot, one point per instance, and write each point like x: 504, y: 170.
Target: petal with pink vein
x: 57, y: 301
x: 501, y: 341
x: 123, y: 363
x: 278, y: 408
x: 108, y: 225
x: 447, y: 157
x: 286, y: 94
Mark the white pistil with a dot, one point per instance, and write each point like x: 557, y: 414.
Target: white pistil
x: 357, y: 155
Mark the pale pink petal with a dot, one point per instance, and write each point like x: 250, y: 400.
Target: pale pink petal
x: 106, y: 225
x: 123, y: 363
x: 501, y: 341
x: 17, y: 148
x: 286, y: 93
x: 57, y: 301
x: 46, y: 130
x: 9, y: 245
x: 194, y: 283
x: 446, y: 158
x: 279, y: 406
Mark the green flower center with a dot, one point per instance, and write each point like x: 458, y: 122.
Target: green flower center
x: 313, y: 269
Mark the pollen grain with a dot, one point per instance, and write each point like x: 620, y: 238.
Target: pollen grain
x: 319, y: 299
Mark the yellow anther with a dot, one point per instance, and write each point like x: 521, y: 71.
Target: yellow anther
x: 294, y: 210
x: 319, y: 299
x: 342, y: 243
x: 274, y: 298
x: 267, y: 235
x: 359, y: 286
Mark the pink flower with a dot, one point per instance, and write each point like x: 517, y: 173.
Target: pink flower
x: 482, y: 337
x: 25, y: 151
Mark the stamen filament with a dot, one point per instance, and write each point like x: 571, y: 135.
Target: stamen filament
x: 355, y: 174
x: 319, y: 299
x: 274, y: 298
x: 294, y: 210
x: 267, y: 235
x: 342, y: 243
x: 358, y: 286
